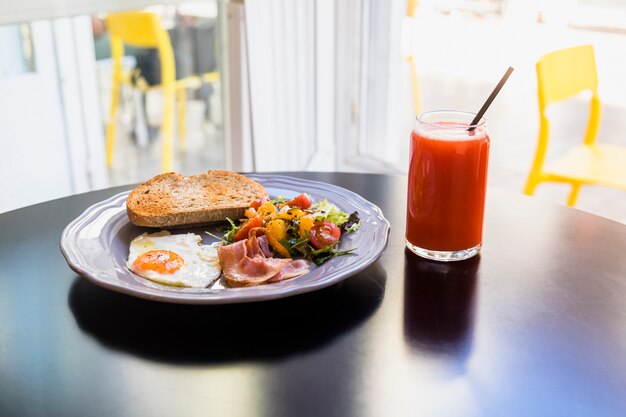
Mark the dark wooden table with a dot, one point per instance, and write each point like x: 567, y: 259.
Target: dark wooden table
x: 536, y: 326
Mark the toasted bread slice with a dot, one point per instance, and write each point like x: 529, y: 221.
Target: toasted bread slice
x: 171, y: 200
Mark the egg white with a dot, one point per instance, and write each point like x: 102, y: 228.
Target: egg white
x: 201, y: 267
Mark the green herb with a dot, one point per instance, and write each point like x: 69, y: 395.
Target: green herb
x: 279, y: 200
x: 293, y: 227
x: 320, y: 256
x: 297, y: 246
x: 228, y: 231
x: 220, y: 238
x: 228, y: 237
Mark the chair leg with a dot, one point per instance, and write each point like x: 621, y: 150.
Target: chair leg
x: 531, y: 184
x: 166, y: 128
x: 415, y: 87
x: 110, y: 133
x: 182, y: 107
x: 141, y: 120
x: 573, y: 195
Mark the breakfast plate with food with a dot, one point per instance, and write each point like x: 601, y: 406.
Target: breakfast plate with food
x: 221, y: 237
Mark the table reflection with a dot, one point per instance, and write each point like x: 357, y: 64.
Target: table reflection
x: 439, y: 299
x: 209, y: 334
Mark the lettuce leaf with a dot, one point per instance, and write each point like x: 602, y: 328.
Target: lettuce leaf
x: 352, y: 224
x: 325, y: 211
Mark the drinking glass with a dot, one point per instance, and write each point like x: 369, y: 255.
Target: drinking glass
x: 446, y: 187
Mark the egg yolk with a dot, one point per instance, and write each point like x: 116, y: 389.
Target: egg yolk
x: 161, y: 261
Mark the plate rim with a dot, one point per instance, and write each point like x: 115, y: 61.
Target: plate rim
x: 70, y: 257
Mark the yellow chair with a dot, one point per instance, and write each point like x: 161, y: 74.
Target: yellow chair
x: 561, y: 75
x: 408, y: 55
x: 144, y: 30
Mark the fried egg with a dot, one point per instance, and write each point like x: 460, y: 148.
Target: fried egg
x: 179, y: 260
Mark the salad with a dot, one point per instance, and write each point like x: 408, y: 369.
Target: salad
x: 296, y: 228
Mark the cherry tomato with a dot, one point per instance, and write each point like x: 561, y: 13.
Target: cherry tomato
x: 242, y: 231
x: 324, y: 234
x: 257, y: 203
x: 303, y: 201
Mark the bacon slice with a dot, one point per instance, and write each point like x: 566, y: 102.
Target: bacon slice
x: 242, y: 270
x: 294, y: 268
x: 253, y: 249
x: 245, y: 263
x: 265, y: 246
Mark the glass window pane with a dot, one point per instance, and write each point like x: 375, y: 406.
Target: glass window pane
x: 16, y: 50
x: 196, y: 111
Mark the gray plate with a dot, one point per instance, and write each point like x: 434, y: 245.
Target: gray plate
x: 96, y: 244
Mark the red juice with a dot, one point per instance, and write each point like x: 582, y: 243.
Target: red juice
x: 446, y: 187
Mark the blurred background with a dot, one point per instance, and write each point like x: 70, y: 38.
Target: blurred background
x: 281, y: 85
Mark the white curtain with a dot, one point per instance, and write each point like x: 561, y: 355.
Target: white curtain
x: 290, y: 59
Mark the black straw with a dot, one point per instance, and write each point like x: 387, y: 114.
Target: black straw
x: 492, y: 96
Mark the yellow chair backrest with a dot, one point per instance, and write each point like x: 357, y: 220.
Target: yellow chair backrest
x: 140, y: 29
x: 143, y: 30
x: 565, y: 73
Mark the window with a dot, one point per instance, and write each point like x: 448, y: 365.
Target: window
x: 16, y: 50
